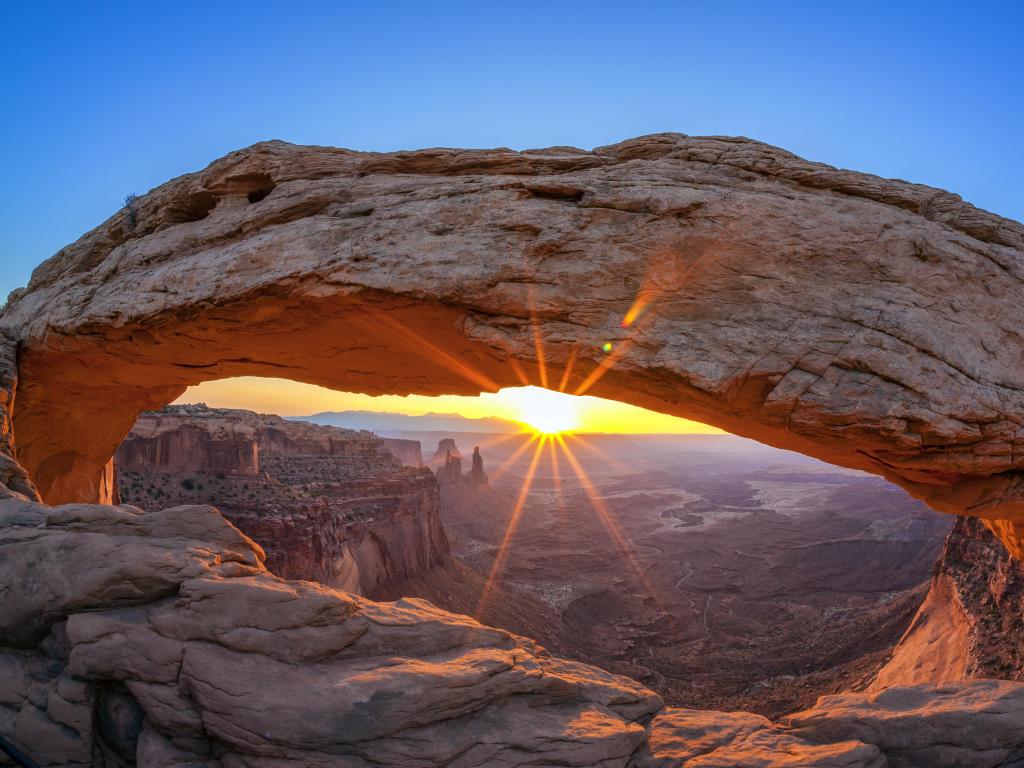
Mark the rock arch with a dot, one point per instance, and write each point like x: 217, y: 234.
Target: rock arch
x: 872, y: 323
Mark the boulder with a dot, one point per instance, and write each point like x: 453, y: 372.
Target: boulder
x: 977, y: 723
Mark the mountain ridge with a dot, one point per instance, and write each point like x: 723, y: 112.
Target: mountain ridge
x: 391, y: 421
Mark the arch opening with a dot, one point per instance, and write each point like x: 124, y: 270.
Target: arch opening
x: 715, y: 279
x: 693, y: 562
x: 95, y: 387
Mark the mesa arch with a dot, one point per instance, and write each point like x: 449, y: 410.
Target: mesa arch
x: 872, y: 323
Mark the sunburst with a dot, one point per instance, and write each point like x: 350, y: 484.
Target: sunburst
x: 549, y: 417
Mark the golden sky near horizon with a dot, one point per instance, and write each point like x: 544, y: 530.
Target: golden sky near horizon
x: 550, y: 411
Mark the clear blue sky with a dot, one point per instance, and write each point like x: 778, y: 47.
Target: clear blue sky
x: 103, y: 99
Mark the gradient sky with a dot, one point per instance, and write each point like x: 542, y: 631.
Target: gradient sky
x: 102, y: 99
x: 522, y: 404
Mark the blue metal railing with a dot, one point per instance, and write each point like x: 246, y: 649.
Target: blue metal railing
x: 19, y: 757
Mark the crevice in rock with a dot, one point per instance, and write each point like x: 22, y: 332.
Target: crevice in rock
x: 118, y: 720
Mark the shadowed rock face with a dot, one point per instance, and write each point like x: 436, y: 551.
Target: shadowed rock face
x: 971, y: 623
x: 868, y: 322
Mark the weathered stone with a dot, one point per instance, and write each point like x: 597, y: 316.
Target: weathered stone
x: 853, y: 318
x: 90, y: 556
x: 777, y: 749
x: 972, y: 621
x: 977, y: 723
x: 856, y: 319
x: 677, y: 735
x: 265, y: 668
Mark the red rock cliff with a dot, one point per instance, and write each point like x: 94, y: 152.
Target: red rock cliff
x: 971, y: 625
x: 327, y: 504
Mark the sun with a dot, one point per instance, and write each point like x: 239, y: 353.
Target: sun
x: 543, y: 410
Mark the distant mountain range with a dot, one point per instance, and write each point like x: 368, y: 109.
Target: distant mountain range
x: 376, y: 421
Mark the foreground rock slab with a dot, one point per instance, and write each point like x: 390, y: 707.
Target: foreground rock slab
x: 978, y: 723
x: 143, y: 640
x: 161, y: 639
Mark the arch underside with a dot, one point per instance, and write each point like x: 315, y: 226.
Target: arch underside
x: 869, y: 323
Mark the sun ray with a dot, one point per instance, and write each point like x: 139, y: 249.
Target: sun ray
x: 568, y: 367
x: 501, y: 438
x: 506, y: 465
x: 603, y: 366
x: 510, y: 529
x: 602, y: 454
x: 518, y: 371
x: 419, y: 344
x: 647, y: 296
x: 611, y: 526
x: 538, y: 348
x: 556, y: 473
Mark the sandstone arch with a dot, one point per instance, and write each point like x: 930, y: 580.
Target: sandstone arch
x: 872, y: 323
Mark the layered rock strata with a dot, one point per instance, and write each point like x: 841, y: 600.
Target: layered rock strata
x: 326, y: 504
x: 971, y: 624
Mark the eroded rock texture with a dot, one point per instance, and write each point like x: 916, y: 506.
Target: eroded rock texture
x: 170, y: 621
x: 972, y: 621
x: 869, y: 322
x: 327, y: 504
x: 160, y: 638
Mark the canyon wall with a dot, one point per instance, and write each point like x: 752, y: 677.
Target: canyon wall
x: 327, y: 504
x: 406, y: 451
x: 971, y: 624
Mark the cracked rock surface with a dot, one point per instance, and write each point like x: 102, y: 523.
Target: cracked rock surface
x: 162, y: 639
x: 868, y: 322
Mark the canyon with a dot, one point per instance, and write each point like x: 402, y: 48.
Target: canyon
x: 326, y: 504
x: 741, y: 578
x: 870, y: 323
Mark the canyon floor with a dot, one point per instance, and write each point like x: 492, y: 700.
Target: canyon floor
x: 722, y: 573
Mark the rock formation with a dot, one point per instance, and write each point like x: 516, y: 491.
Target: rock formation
x: 864, y: 321
x: 160, y: 638
x: 449, y: 472
x: 971, y: 624
x: 326, y: 504
x: 170, y: 619
x: 446, y: 450
x: 476, y: 474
